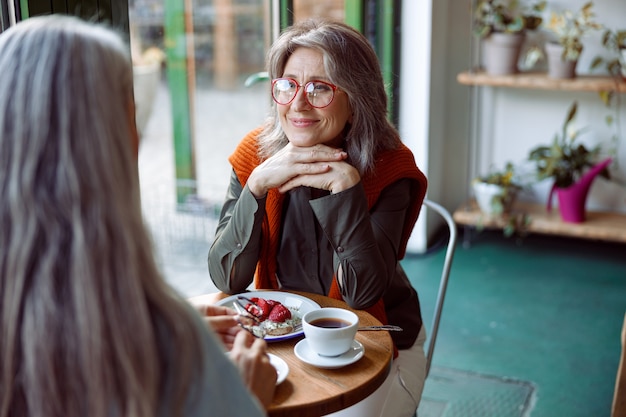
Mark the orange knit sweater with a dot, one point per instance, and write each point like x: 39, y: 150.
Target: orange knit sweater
x: 391, y: 166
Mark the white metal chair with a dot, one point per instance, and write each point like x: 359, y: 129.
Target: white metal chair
x: 619, y: 397
x: 445, y: 274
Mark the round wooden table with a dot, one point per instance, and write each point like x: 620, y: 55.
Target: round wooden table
x: 309, y: 391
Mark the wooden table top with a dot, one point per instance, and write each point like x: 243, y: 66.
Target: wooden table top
x: 309, y: 391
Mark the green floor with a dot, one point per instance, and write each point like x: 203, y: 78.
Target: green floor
x: 548, y: 311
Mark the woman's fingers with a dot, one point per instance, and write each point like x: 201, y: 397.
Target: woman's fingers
x: 226, y: 334
x: 228, y: 339
x: 290, y: 162
x: 318, y: 154
x: 223, y: 323
x: 340, y: 176
x: 222, y: 320
x: 214, y: 310
x: 250, y: 356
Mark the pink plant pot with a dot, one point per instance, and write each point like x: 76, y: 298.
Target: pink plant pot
x: 573, y: 199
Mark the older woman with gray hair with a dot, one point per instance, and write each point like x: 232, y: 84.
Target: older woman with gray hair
x: 88, y: 325
x: 324, y: 196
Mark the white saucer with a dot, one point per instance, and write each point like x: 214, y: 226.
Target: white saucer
x: 305, y: 354
x: 281, y: 367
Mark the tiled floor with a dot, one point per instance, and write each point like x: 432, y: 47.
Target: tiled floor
x: 548, y: 312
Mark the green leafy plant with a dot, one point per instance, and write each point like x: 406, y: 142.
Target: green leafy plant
x: 570, y: 27
x: 565, y: 159
x: 504, y: 179
x: 501, y: 203
x: 614, y: 41
x: 502, y: 16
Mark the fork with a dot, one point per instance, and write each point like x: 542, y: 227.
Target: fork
x: 257, y: 311
x: 256, y: 331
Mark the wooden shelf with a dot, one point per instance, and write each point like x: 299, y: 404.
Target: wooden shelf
x: 540, y: 81
x: 607, y: 226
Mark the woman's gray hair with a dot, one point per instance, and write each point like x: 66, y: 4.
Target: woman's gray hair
x: 88, y: 327
x: 351, y: 64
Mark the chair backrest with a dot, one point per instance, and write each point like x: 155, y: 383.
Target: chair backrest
x: 619, y: 397
x: 445, y: 274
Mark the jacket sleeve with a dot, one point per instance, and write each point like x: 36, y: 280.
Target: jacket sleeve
x: 365, y: 243
x: 235, y: 251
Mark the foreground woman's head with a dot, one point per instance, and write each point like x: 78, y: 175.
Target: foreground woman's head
x: 88, y: 326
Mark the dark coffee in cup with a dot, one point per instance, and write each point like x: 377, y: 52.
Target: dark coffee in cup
x: 330, y: 323
x: 330, y: 331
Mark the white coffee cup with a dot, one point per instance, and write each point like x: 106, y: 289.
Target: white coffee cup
x: 330, y: 331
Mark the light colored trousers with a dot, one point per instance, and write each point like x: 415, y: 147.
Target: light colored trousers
x: 401, y: 392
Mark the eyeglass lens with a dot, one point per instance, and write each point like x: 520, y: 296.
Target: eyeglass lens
x: 317, y: 93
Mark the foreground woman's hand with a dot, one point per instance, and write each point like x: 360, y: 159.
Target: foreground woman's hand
x: 249, y: 354
x: 222, y: 320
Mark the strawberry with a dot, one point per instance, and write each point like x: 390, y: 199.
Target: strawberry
x: 279, y: 313
x: 259, y: 307
x: 253, y: 309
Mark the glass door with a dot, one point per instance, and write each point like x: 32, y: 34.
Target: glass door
x: 198, y: 105
x: 200, y: 86
x: 191, y: 60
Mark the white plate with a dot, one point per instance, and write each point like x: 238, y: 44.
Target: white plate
x: 296, y: 303
x: 305, y: 354
x: 281, y: 367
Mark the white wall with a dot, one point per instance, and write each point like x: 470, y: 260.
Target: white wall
x: 458, y: 132
x: 415, y: 86
x: 513, y: 121
x: 433, y: 119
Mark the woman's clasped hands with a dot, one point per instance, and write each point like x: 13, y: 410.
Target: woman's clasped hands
x: 320, y: 166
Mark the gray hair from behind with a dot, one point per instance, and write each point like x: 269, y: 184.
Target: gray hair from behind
x: 88, y: 324
x: 351, y: 64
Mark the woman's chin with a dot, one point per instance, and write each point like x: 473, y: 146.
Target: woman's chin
x: 303, y: 141
x: 306, y: 141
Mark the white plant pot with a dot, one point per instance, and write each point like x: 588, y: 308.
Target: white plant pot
x: 146, y: 83
x: 623, y: 63
x: 559, y: 68
x: 501, y: 52
x: 486, y: 193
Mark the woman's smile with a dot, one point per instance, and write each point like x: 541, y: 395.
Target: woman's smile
x: 302, y: 123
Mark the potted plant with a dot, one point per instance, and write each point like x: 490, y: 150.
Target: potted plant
x: 572, y: 166
x: 501, y: 24
x: 495, y: 194
x: 147, y: 64
x: 568, y: 29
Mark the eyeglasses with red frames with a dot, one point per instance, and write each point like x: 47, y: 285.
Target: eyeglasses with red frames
x: 318, y: 94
